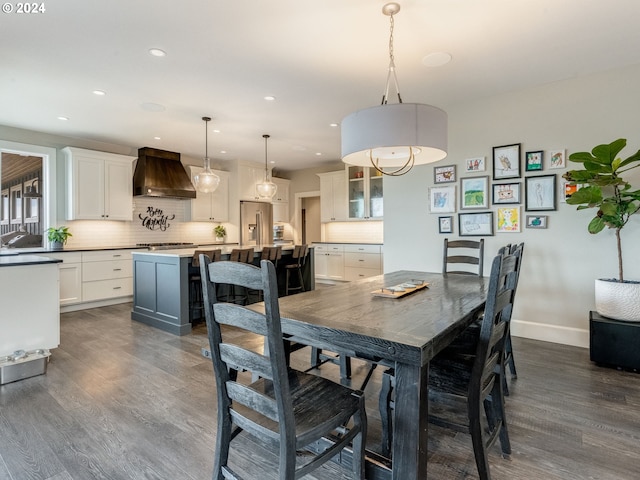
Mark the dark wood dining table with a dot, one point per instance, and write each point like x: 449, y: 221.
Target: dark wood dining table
x: 406, y: 331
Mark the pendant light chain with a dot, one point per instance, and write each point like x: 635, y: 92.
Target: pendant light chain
x: 266, y: 137
x: 392, y: 66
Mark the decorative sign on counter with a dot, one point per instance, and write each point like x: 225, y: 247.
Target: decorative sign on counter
x: 155, y: 219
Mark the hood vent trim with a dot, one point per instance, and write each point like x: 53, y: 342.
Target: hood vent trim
x: 160, y: 173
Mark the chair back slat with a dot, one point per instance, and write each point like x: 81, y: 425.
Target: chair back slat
x: 456, y: 252
x: 256, y: 401
x: 271, y: 253
x: 235, y: 355
x: 236, y: 316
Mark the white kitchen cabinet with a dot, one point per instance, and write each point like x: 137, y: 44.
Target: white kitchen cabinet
x: 106, y: 274
x: 329, y: 261
x: 333, y: 196
x: 249, y: 175
x: 362, y: 261
x: 364, y: 193
x: 98, y: 185
x: 210, y: 207
x: 70, y: 271
x: 281, y: 201
x: 282, y: 193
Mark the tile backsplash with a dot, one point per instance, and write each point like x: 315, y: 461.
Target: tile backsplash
x: 154, y: 220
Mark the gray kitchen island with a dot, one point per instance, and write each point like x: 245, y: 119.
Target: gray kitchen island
x: 161, y: 284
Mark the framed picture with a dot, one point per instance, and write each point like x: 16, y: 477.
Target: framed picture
x: 445, y: 174
x: 445, y: 224
x: 536, y: 221
x: 475, y: 224
x: 476, y: 164
x: 508, y: 219
x: 506, y: 161
x: 442, y: 199
x: 557, y: 159
x: 506, y: 193
x: 540, y: 193
x: 533, y: 161
x: 568, y: 190
x: 474, y: 192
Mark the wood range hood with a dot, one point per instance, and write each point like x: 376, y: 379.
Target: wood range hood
x: 160, y: 173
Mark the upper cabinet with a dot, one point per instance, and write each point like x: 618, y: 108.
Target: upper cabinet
x: 364, y: 193
x: 99, y: 185
x: 248, y: 177
x: 210, y: 207
x: 281, y: 200
x: 282, y: 193
x: 333, y: 196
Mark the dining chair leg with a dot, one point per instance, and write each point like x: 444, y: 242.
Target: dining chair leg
x: 386, y: 412
x: 359, y: 441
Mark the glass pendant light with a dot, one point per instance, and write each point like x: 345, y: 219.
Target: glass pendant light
x: 206, y: 180
x: 266, y: 189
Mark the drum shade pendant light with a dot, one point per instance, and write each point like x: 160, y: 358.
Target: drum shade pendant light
x: 206, y: 180
x: 393, y: 138
x: 266, y: 189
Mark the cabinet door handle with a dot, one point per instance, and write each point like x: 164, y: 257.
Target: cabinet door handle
x: 117, y: 288
x: 117, y: 269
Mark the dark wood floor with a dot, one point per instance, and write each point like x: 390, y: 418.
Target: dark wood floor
x: 122, y: 400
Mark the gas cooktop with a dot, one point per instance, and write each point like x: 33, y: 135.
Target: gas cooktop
x: 166, y: 245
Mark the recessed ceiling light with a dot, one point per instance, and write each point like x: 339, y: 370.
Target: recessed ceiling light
x: 318, y: 154
x: 156, y: 52
x: 436, y: 59
x: 100, y: 93
x: 152, y: 107
x: 333, y: 124
x: 157, y: 138
x: 270, y: 98
x: 216, y: 131
x: 272, y: 161
x: 223, y: 151
x: 63, y: 118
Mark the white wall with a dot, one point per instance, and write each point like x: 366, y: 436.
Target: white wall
x: 561, y: 262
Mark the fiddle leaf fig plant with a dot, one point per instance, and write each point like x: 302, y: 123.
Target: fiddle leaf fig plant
x: 601, y: 186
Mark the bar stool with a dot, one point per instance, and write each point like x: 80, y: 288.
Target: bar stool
x: 273, y: 254
x: 299, y: 257
x: 242, y: 255
x: 196, y: 303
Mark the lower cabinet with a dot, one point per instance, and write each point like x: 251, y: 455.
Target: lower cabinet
x: 361, y: 261
x: 106, y: 274
x: 70, y: 271
x: 347, y: 262
x: 329, y: 261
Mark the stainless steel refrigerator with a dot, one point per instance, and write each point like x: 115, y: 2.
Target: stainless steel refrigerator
x: 256, y: 223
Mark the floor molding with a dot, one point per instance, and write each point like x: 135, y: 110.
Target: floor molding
x: 576, y: 337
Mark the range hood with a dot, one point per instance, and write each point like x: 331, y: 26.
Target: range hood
x: 160, y: 173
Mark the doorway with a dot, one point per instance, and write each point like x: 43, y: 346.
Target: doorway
x: 307, y: 218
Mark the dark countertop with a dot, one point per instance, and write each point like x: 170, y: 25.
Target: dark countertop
x: 346, y: 243
x: 22, y: 260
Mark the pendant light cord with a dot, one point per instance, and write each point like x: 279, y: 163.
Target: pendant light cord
x: 266, y: 137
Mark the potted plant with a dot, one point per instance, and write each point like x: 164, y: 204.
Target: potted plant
x: 220, y: 232
x: 58, y: 236
x: 602, y: 187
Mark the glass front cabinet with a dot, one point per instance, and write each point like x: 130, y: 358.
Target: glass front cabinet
x: 365, y: 193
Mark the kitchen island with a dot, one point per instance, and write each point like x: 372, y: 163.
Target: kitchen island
x: 30, y: 318
x: 161, y: 284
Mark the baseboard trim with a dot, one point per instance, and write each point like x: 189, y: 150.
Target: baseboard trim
x: 95, y: 304
x: 576, y: 337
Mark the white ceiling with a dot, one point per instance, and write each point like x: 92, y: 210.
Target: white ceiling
x: 321, y: 59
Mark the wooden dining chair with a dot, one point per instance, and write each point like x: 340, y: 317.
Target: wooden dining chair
x: 196, y: 304
x: 472, y: 382
x: 467, y: 253
x: 289, y: 409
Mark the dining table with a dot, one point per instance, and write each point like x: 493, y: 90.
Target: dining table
x: 406, y: 328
